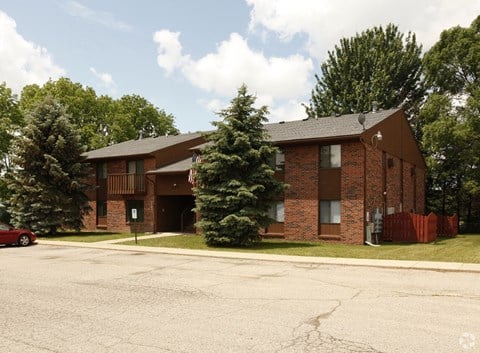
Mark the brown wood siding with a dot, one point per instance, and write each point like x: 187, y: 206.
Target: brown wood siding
x: 398, y: 139
x: 173, y: 184
x: 102, y: 221
x: 329, y: 229
x: 175, y: 153
x: 275, y: 228
x: 329, y: 182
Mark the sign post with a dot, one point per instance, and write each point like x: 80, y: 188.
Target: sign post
x: 134, y: 217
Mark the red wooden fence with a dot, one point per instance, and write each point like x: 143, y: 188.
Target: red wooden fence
x: 414, y: 228
x: 447, y: 226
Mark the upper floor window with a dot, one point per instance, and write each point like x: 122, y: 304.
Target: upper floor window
x: 102, y: 170
x: 278, y: 161
x: 330, y: 156
x: 135, y: 167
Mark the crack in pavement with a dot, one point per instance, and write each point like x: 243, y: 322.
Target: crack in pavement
x: 309, y: 338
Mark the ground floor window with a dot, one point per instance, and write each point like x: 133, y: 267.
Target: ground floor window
x: 137, y: 205
x: 102, y: 208
x: 330, y: 212
x: 277, y: 211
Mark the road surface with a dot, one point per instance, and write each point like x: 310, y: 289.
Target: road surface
x: 71, y: 300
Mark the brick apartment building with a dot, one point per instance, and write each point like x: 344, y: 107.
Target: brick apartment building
x: 339, y: 172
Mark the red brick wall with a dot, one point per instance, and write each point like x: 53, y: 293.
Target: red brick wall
x: 116, y: 204
x: 301, y: 198
x: 374, y: 191
x: 90, y: 219
x: 352, y: 193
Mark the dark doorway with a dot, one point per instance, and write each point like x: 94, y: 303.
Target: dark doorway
x: 174, y: 214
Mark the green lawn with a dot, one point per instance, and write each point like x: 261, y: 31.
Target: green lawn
x: 463, y: 248
x: 88, y: 237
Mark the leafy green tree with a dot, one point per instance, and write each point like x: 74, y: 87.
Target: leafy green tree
x: 446, y: 143
x: 452, y: 64
x: 10, y: 121
x: 101, y: 120
x: 47, y: 180
x: 451, y: 123
x: 144, y: 118
x: 378, y: 65
x: 236, y: 185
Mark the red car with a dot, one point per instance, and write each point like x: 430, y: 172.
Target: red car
x: 10, y: 235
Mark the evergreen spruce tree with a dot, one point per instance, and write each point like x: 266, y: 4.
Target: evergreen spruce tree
x: 235, y: 183
x: 46, y: 180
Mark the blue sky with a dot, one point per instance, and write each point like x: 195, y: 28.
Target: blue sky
x: 189, y: 57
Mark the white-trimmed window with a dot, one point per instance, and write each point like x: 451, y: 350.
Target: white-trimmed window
x: 277, y: 212
x: 330, y: 212
x: 331, y: 156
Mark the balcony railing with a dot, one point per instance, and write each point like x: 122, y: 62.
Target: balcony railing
x: 126, y: 184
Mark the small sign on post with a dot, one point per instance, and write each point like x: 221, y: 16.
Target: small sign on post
x: 134, y: 217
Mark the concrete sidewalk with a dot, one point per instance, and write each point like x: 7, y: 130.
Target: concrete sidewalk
x: 395, y: 264
x: 140, y: 237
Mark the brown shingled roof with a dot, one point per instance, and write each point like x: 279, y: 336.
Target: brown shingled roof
x: 342, y: 126
x: 140, y: 147
x: 178, y: 167
x: 323, y: 128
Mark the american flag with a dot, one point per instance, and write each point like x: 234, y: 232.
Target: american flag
x: 192, y: 172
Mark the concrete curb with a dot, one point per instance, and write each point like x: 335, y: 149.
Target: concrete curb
x: 393, y: 264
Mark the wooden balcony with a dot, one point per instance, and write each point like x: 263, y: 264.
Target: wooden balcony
x: 126, y: 184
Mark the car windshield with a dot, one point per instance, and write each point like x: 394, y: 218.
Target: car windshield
x: 4, y: 226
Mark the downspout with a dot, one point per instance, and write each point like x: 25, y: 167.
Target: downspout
x: 364, y: 193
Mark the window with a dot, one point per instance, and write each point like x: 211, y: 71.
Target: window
x: 278, y: 161
x: 102, y: 170
x: 135, y: 204
x: 102, y: 208
x: 277, y: 212
x: 330, y: 212
x: 330, y: 156
x: 135, y: 167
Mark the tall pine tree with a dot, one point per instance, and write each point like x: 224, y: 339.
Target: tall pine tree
x: 46, y: 180
x: 236, y: 185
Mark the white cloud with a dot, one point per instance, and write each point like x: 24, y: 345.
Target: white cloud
x: 286, y: 111
x: 23, y: 62
x: 215, y: 105
x: 106, y: 19
x: 234, y: 63
x: 106, y: 78
x: 169, y: 50
x: 325, y: 22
